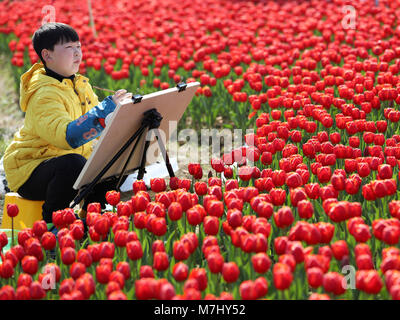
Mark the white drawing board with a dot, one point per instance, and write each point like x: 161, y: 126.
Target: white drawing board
x: 124, y: 122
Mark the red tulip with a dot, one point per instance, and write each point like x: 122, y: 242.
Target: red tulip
x: 146, y: 272
x: 333, y: 282
x: 340, y: 249
x: 121, y: 238
x: 6, y: 269
x: 338, y: 181
x: 134, y: 250
x: 166, y: 198
x: 184, y: 184
x: 247, y: 290
x: 217, y: 165
x: 159, y: 226
x: 364, y: 262
x: 93, y: 207
x: 230, y: 271
x: 166, y: 291
x: 85, y: 284
x: 175, y: 211
x: 195, y: 215
x: 158, y: 246
x: 107, y: 250
x: 39, y: 227
x: 76, y: 270
x: 234, y: 218
x: 36, y: 290
x: 214, y: 208
x: 190, y: 240
x: 48, y: 241
x: 68, y: 255
x: 30, y: 264
x: 280, y: 244
x: 68, y: 216
x: 261, y: 243
x: 103, y: 273
x: 195, y: 170
x: 324, y: 174
x: 248, y: 243
x: 113, y: 197
x: 102, y: 225
x: 200, y: 188
x: 260, y: 287
x: 369, y: 281
x: 22, y: 293
x: 140, y: 201
x: 139, y: 185
x: 174, y: 183
x: 293, y: 180
x: 279, y: 177
x: 12, y: 210
x: 145, y: 288
x: 318, y: 296
x: 297, y: 195
x: 24, y: 279
x: 282, y: 276
x: 211, y: 225
x: 305, y: 209
x: 185, y: 200
x: 160, y: 261
x: 312, y: 190
x: 158, y: 184
x: 391, y: 235
x: 3, y: 240
x: 117, y: 295
x: 261, y: 262
x: 215, y: 262
x: 231, y: 184
x: 200, y: 275
x: 315, y: 277
x: 180, y: 271
x: 245, y: 173
x: 112, y: 287
x: 180, y: 251
x: 385, y: 171
x: 7, y: 292
x: 117, y: 277
x: 363, y: 169
x: 278, y: 196
x: 283, y: 217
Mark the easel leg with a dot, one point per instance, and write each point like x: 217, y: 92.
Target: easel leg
x: 164, y: 153
x: 142, y: 168
x: 87, y: 189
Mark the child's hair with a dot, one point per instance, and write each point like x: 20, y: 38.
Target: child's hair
x: 50, y: 34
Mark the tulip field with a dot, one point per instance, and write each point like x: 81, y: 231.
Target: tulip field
x: 307, y: 208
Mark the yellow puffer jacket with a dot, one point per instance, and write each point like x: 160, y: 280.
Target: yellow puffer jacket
x: 50, y: 105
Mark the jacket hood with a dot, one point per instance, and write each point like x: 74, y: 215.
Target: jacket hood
x: 31, y: 81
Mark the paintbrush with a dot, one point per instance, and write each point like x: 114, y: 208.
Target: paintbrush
x: 108, y: 90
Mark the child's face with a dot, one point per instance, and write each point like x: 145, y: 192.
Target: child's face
x: 64, y: 59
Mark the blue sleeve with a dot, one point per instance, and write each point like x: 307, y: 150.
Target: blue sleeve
x: 89, y: 126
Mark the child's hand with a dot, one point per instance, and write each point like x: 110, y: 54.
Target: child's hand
x: 120, y: 95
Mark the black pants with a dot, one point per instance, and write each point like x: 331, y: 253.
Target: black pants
x: 53, y: 180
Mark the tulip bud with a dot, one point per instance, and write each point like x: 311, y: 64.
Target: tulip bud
x: 12, y: 210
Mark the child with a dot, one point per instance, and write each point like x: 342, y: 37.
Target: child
x: 62, y: 117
